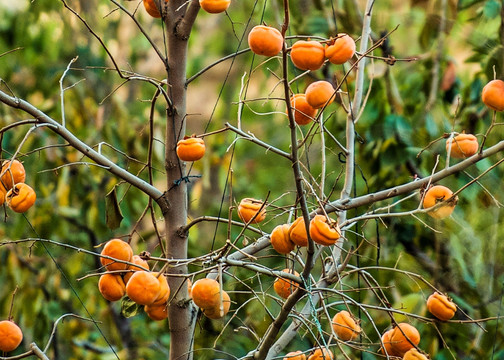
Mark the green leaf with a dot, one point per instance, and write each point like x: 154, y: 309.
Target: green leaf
x: 112, y: 210
x: 129, y: 308
x: 491, y: 9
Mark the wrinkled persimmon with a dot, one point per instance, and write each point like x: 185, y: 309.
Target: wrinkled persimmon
x: 322, y: 232
x: 441, y: 307
x: 251, y: 210
x: 435, y: 195
x: 284, y: 287
x: 280, y: 239
x: 21, y: 197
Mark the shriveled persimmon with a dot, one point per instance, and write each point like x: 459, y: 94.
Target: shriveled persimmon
x: 10, y: 336
x: 435, y: 195
x: 13, y: 173
x: 345, y: 326
x: 319, y: 94
x: 143, y: 288
x: 322, y: 232
x: 280, y: 239
x: 220, y: 310
x: 112, y: 287
x: 307, y: 55
x: 322, y: 354
x: 284, y: 287
x: 21, y: 197
x: 151, y: 8
x: 340, y: 49
x: 190, y: 148
x: 297, y: 232
x: 265, y: 40
x: 403, y: 337
x: 214, y: 6
x: 462, y: 146
x: 493, y: 95
x: 137, y: 260
x: 295, y: 355
x: 441, y: 307
x: 119, y: 250
x: 414, y: 354
x: 304, y: 113
x: 249, y: 207
x: 157, y: 312
x: 206, y: 293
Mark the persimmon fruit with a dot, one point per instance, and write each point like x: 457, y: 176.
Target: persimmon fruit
x: 249, y: 207
x: 322, y: 232
x: 295, y: 355
x: 403, y: 337
x: 220, y: 309
x: 297, y: 232
x: 157, y: 312
x: 206, y: 293
x: 441, y: 307
x: 280, y: 239
x: 265, y: 40
x: 191, y: 148
x: 117, y: 249
x: 414, y: 354
x: 151, y: 8
x: 462, y: 146
x: 10, y: 336
x: 143, y: 288
x: 493, y: 95
x: 319, y: 94
x: 307, y: 55
x: 340, y: 49
x: 284, y: 287
x: 435, y: 195
x: 321, y: 354
x: 214, y: 6
x: 344, y: 326
x: 21, y: 197
x: 12, y: 174
x: 112, y: 287
x: 137, y: 260
x: 304, y: 113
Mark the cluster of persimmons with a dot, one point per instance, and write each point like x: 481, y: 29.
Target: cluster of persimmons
x: 13, y: 190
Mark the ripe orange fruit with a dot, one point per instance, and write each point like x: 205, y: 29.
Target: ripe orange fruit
x: 157, y: 312
x: 345, y: 326
x: 164, y: 289
x: 493, y: 95
x: 112, y: 287
x: 249, y: 207
x: 280, y: 239
x: 3, y: 192
x: 398, y: 341
x: 462, y: 146
x: 138, y: 261
x: 436, y: 194
x: 387, y: 344
x: 143, y: 288
x: 297, y: 232
x: 206, y: 293
x: 295, y: 355
x: 340, y: 49
x: 12, y: 175
x: 20, y: 198
x: 414, y: 354
x: 220, y: 310
x: 119, y: 250
x: 190, y: 148
x: 10, y: 336
x: 284, y: 287
x: 303, y: 112
x: 151, y: 8
x: 265, y: 40
x: 319, y: 93
x: 323, y: 233
x: 441, y: 307
x: 322, y: 354
x: 307, y: 55
x: 214, y: 6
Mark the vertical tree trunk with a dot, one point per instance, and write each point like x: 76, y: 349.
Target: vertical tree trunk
x: 180, y: 311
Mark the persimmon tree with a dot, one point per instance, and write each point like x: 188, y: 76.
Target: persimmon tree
x: 345, y: 185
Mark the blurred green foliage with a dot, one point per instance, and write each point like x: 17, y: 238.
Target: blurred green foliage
x: 461, y: 255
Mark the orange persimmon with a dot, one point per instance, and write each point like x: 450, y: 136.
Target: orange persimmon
x: 319, y: 93
x: 414, y: 354
x: 206, y: 293
x: 441, y: 307
x: 462, y: 146
x: 111, y: 286
x: 214, y: 6
x: 304, y: 113
x: 295, y: 355
x: 10, y: 336
x: 13, y: 173
x: 190, y: 148
x: 284, y: 287
x: 321, y: 354
x: 265, y: 40
x: 307, y: 55
x: 344, y: 326
x: 280, y: 239
x: 117, y: 249
x: 436, y: 194
x: 322, y: 232
x: 493, y: 95
x: 340, y: 49
x: 143, y: 288
x: 151, y: 8
x: 297, y: 232
x: 21, y: 197
x: 403, y: 337
x: 249, y: 207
